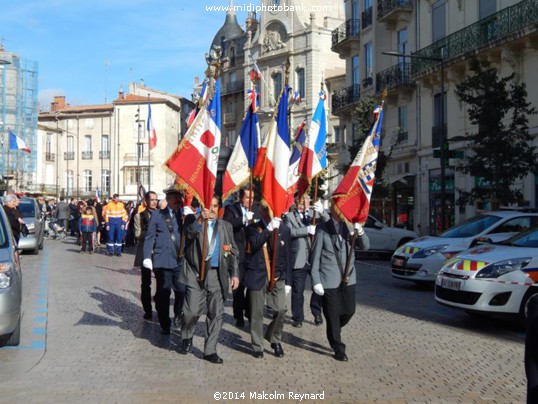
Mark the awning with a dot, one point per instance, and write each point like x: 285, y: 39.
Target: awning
x: 391, y: 179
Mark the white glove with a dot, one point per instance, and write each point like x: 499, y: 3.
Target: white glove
x: 288, y: 289
x: 318, y: 289
x: 147, y: 263
x: 250, y: 215
x: 187, y: 210
x: 358, y: 229
x: 311, y: 229
x: 318, y: 207
x: 274, y: 223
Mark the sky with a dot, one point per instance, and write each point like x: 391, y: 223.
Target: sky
x: 86, y: 50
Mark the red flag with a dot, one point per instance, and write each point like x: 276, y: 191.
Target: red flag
x: 352, y: 196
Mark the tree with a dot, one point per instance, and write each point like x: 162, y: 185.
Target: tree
x: 501, y: 148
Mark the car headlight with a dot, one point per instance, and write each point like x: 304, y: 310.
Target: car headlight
x: 31, y: 227
x: 6, y: 274
x: 503, y: 267
x: 426, y: 252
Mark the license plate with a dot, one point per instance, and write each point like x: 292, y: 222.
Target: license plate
x: 451, y: 284
x: 398, y: 262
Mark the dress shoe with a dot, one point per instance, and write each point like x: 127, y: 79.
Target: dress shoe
x: 148, y: 316
x: 213, y: 358
x: 118, y: 254
x: 340, y: 356
x: 318, y: 320
x: 165, y: 331
x: 297, y: 324
x: 186, y: 346
x: 257, y: 354
x: 279, y: 352
x: 240, y: 322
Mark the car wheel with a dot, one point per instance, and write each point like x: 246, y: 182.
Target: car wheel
x: 15, y: 338
x: 35, y: 251
x: 524, y: 303
x: 42, y: 242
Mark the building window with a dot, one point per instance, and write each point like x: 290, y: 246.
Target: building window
x: 402, y: 44
x: 301, y: 85
x: 48, y: 145
x: 70, y: 144
x: 69, y: 182
x: 369, y: 59
x: 277, y: 84
x: 402, y: 123
x: 135, y: 176
x: 355, y: 9
x: 88, y: 143
x: 437, y: 109
x: 337, y: 135
x: 486, y: 8
x: 87, y: 177
x: 439, y: 20
x: 230, y: 138
x: 355, y: 70
x: 105, y: 181
x: 105, y: 143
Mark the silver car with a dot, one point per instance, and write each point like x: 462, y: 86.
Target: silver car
x: 31, y: 214
x: 10, y: 285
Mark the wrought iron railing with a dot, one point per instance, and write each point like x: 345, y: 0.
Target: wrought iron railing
x: 395, y: 76
x: 87, y: 155
x: 345, y: 31
x: 366, y: 17
x: 50, y: 157
x: 345, y: 97
x: 385, y: 7
x: 493, y: 28
x: 104, y: 155
x: 69, y: 155
x: 134, y: 157
x: 233, y: 87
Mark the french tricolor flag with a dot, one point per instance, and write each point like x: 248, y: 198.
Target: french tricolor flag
x: 16, y: 143
x: 195, y: 160
x: 275, y: 174
x: 151, y: 129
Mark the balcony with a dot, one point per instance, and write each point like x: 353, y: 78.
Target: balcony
x: 391, y: 12
x: 69, y: 155
x: 232, y: 88
x: 50, y: 157
x: 87, y: 155
x: 437, y: 133
x: 104, y: 155
x: 345, y: 98
x: 394, y: 77
x: 133, y: 157
x: 367, y: 82
x: 346, y: 37
x: 367, y: 17
x: 228, y: 118
x: 507, y: 24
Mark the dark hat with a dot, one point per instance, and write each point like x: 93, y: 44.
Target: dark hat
x: 172, y: 189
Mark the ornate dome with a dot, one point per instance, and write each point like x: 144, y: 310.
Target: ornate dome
x: 230, y: 29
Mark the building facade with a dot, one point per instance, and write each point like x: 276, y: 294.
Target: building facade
x: 421, y: 106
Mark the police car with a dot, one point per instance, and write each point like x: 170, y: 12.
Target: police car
x: 492, y: 278
x: 420, y: 260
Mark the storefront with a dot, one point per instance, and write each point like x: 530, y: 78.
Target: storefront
x: 435, y: 200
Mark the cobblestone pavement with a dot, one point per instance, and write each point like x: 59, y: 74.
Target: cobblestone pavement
x: 84, y: 341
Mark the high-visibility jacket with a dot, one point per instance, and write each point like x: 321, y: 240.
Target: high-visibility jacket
x: 114, y: 210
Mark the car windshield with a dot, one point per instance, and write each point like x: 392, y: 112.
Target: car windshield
x: 528, y: 238
x: 27, y: 208
x: 471, y: 227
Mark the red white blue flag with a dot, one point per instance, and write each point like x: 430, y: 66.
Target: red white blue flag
x: 151, y: 129
x: 275, y: 173
x: 16, y: 143
x: 352, y: 196
x: 293, y: 169
x: 195, y: 160
x: 97, y: 195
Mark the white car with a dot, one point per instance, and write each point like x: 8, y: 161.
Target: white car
x: 420, y: 260
x: 492, y: 278
x: 385, y: 239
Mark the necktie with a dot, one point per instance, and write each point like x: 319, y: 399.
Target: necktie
x: 209, y: 237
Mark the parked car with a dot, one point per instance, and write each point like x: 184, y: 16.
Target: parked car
x: 420, y: 260
x: 492, y: 278
x: 10, y: 285
x: 385, y: 239
x: 31, y: 214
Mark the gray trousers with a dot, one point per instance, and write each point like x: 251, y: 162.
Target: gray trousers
x: 206, y: 300
x: 276, y: 300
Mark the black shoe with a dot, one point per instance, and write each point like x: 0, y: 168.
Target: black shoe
x: 340, y: 356
x: 213, y: 358
x: 318, y: 320
x: 109, y: 254
x: 186, y: 346
x: 279, y: 352
x: 240, y: 322
x: 297, y: 324
x: 148, y: 316
x: 257, y: 354
x: 118, y: 254
x: 165, y: 331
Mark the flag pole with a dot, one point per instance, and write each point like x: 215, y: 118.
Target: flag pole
x: 149, y: 151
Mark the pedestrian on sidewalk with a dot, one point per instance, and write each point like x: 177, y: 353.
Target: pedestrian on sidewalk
x: 87, y: 224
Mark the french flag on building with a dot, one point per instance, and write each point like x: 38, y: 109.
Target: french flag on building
x: 293, y: 169
x: 352, y: 196
x: 314, y: 157
x: 196, y: 159
x: 275, y: 173
x: 244, y: 153
x: 16, y: 143
x: 151, y: 129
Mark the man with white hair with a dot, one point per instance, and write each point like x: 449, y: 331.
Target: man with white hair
x: 11, y: 202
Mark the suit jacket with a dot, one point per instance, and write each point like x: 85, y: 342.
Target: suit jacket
x: 325, y: 268
x: 233, y: 214
x: 258, y: 235
x: 228, y: 263
x: 62, y: 211
x: 158, y: 244
x: 141, y: 223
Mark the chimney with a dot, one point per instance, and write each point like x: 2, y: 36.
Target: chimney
x: 196, y: 80
x: 121, y: 94
x: 58, y: 103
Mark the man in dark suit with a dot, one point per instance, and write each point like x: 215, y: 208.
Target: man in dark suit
x: 162, y: 254
x: 299, y: 220
x: 260, y: 235
x: 329, y: 255
x: 239, y: 215
x: 220, y: 266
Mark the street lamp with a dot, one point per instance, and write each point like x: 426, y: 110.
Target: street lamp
x: 443, y: 140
